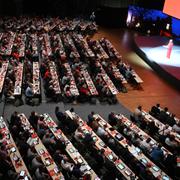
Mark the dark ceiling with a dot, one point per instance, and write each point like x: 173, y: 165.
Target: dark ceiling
x: 152, y: 4
x: 68, y: 7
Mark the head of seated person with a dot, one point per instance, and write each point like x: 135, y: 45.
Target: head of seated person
x: 29, y: 91
x: 50, y: 91
x: 170, y: 141
x: 166, y: 109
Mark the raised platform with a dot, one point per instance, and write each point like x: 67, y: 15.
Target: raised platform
x: 152, y: 50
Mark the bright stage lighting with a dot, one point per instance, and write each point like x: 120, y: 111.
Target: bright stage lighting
x: 158, y: 55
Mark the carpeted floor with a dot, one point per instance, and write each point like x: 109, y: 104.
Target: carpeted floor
x: 81, y: 109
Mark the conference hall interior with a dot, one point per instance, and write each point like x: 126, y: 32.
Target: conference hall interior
x: 89, y: 90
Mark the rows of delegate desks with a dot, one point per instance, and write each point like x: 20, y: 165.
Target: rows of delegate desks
x: 120, y: 166
x: 36, y: 79
x: 69, y: 40
x: 135, y: 151
x: 73, y: 87
x: 114, y: 54
x: 41, y: 150
x: 19, y: 44
x: 160, y: 125
x: 53, y: 72
x: 13, y: 152
x: 33, y: 43
x: 73, y: 153
x: 108, y: 81
x: 121, y: 140
x: 70, y: 149
x: 81, y: 42
x: 60, y: 46
x: 19, y: 79
x: 133, y: 127
x: 89, y: 82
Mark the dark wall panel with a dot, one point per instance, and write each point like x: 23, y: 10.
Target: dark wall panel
x: 151, y: 4
x: 116, y: 3
x: 112, y: 17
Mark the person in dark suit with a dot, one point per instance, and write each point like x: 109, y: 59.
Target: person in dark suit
x: 15, y: 120
x: 171, y: 120
x: 164, y: 115
x: 59, y: 115
x: 33, y: 119
x: 112, y: 119
x: 153, y: 129
x: 155, y: 110
x: 90, y: 118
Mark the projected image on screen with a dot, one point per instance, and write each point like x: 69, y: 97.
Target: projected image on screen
x: 171, y: 7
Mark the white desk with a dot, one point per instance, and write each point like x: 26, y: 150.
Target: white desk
x: 3, y: 72
x: 19, y: 79
x: 13, y: 151
x: 73, y: 87
x: 36, y: 79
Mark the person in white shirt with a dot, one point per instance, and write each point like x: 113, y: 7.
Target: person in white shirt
x: 170, y: 141
x: 36, y: 163
x: 145, y: 144
x: 29, y: 92
x: 176, y: 127
x: 67, y: 165
x: 138, y: 114
x: 101, y: 132
x: 164, y: 130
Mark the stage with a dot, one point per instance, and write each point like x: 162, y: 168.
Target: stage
x: 152, y: 49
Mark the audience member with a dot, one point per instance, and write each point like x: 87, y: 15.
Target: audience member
x: 176, y: 127
x: 157, y: 153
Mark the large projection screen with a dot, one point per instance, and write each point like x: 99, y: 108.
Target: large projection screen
x: 172, y: 8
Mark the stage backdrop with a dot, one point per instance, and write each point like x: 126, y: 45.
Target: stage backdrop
x: 154, y: 14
